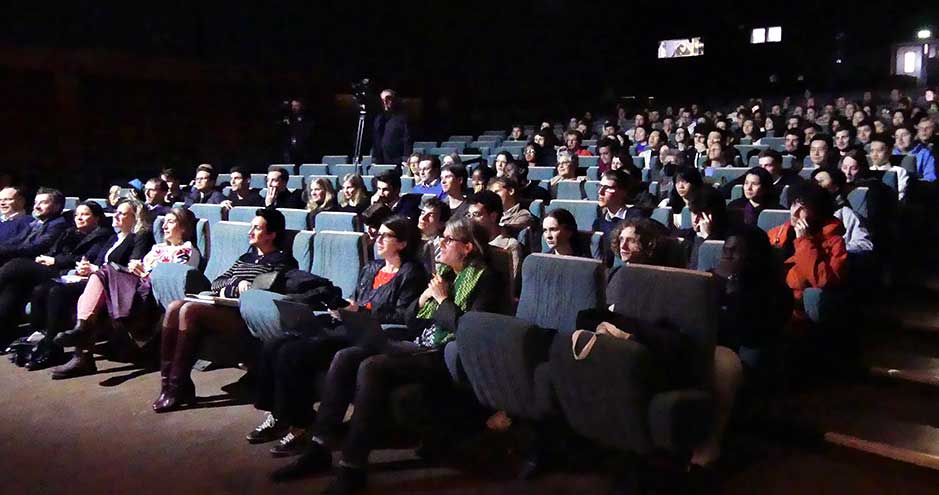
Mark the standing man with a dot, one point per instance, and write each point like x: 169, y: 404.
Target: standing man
x: 391, y: 140
x: 298, y: 134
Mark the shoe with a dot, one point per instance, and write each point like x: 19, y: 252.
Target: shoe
x: 74, y: 337
x: 349, y: 480
x: 83, y: 363
x: 316, y: 459
x: 268, y: 431
x: 46, y: 355
x: 175, y: 396
x: 290, y: 445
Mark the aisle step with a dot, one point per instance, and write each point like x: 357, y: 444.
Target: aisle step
x: 905, y: 442
x: 906, y: 367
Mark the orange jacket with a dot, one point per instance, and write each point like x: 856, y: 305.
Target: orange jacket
x: 819, y: 261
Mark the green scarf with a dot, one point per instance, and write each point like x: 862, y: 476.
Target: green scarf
x: 463, y: 287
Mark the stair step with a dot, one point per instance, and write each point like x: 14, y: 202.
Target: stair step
x: 905, y: 442
x: 906, y: 367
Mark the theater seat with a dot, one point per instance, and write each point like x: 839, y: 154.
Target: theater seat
x: 335, y: 159
x: 341, y: 169
x: 709, y: 254
x: 242, y: 214
x: 338, y: 221
x: 772, y: 218
x: 229, y: 240
x: 571, y: 190
x: 379, y: 169
x: 724, y: 175
x: 295, y: 218
x: 634, y: 411
x: 338, y: 256
x: 541, y: 173
x: 308, y: 169
x: 258, y: 181
x: 212, y: 213
x: 585, y: 212
x: 587, y: 161
x: 501, y: 355
x: 289, y: 167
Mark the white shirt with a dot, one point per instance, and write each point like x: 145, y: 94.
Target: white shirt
x: 903, y: 177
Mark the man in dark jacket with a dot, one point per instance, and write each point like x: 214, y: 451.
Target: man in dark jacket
x: 391, y: 140
x: 204, y: 189
x: 298, y: 135
x: 278, y: 196
x: 43, y: 231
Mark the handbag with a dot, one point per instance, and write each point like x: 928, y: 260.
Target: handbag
x: 603, y: 328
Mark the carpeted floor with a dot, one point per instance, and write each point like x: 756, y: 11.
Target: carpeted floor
x: 97, y: 435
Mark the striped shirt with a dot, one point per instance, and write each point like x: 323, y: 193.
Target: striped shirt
x: 248, y: 267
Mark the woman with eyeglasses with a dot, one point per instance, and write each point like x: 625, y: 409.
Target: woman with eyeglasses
x: 566, y: 171
x: 387, y: 288
x: 463, y: 283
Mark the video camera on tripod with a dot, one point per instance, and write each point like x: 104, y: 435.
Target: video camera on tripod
x: 360, y: 91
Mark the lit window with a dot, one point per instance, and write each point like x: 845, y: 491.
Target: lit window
x: 909, y: 62
x: 758, y: 36
x: 774, y: 34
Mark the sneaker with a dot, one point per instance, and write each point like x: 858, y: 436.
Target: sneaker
x: 268, y: 431
x: 291, y: 445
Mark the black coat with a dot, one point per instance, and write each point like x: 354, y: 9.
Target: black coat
x: 72, y: 246
x: 408, y: 205
x: 134, y: 247
x: 391, y: 139
x: 392, y: 302
x: 287, y: 199
x: 40, y: 238
x: 252, y: 198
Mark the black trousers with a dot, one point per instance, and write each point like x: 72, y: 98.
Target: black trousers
x: 287, y: 373
x: 53, y: 306
x: 358, y: 377
x: 18, y: 277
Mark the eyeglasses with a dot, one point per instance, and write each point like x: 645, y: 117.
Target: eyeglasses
x: 475, y: 214
x: 385, y: 235
x: 447, y: 240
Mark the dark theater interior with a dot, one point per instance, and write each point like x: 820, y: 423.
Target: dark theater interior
x: 469, y: 247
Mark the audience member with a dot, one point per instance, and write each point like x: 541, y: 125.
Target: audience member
x: 388, y: 192
x: 514, y: 217
x: 387, y: 288
x: 881, y: 144
x: 278, y: 196
x: 155, y: 192
x: 358, y: 377
x: 485, y: 208
x: 685, y: 181
x: 453, y: 184
x: 45, y: 228
x: 353, y: 196
x: 559, y: 229
x: 322, y: 198
x: 708, y: 221
x: 19, y: 276
x: 567, y: 171
x: 574, y: 141
x: 428, y: 179
x: 14, y: 222
x: 204, y: 190
x: 431, y: 222
x: 529, y: 190
x: 481, y: 177
x: 241, y: 193
x: 856, y: 238
x: 186, y: 323
x: 758, y: 195
x: 53, y: 302
x: 502, y: 158
x: 123, y: 294
x: 811, y: 242
x: 925, y: 158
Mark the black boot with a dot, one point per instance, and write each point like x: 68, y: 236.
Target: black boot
x: 178, y: 389
x: 77, y: 336
x: 81, y: 364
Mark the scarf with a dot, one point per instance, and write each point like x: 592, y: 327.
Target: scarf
x: 463, y: 287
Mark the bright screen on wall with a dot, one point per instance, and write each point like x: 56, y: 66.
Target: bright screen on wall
x: 685, y: 47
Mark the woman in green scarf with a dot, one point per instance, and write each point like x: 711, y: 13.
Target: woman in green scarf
x: 356, y: 376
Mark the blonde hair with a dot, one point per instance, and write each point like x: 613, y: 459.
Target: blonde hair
x: 329, y: 193
x: 142, y: 215
x: 360, y: 196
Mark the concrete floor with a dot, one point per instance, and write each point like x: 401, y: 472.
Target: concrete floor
x: 98, y: 435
